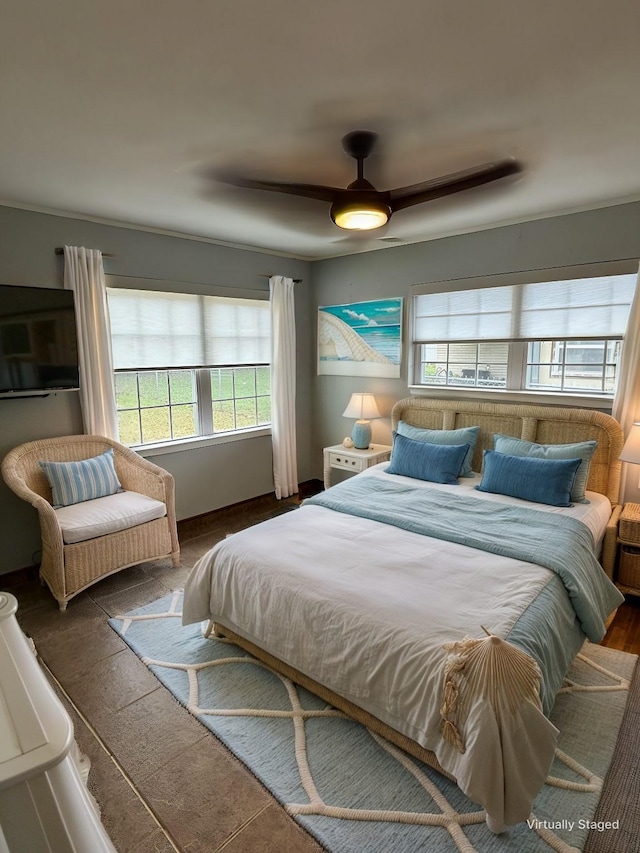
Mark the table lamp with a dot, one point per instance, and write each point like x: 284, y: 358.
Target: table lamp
x: 363, y: 407
x: 631, y: 449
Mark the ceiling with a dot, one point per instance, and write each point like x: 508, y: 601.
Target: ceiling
x: 124, y: 112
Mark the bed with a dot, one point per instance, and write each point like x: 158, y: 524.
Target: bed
x: 443, y: 617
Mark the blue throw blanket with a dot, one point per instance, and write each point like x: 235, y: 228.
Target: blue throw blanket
x: 555, y: 541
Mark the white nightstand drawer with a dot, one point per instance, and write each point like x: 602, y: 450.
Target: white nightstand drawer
x: 347, y: 461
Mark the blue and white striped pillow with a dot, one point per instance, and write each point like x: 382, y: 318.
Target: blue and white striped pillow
x: 74, y: 482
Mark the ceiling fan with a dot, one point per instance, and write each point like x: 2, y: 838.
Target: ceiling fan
x: 361, y: 207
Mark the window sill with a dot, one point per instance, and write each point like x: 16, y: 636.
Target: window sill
x: 179, y: 445
x: 503, y: 395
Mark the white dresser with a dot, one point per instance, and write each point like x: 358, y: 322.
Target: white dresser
x: 44, y: 804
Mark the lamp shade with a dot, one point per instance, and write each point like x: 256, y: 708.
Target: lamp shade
x: 631, y: 449
x: 362, y: 406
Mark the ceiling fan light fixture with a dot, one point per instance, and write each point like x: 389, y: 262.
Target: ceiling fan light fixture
x: 360, y: 215
x: 360, y: 207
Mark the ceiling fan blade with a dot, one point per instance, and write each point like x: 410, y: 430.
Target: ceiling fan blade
x: 306, y: 190
x: 449, y: 184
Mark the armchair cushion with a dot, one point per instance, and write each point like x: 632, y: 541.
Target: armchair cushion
x: 74, y: 482
x: 81, y: 521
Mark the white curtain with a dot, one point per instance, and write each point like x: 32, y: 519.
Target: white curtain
x: 283, y: 386
x: 626, y: 403
x: 84, y: 274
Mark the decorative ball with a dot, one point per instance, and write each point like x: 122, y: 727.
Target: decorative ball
x: 347, y: 442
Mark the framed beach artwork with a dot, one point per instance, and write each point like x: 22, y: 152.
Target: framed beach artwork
x: 361, y: 338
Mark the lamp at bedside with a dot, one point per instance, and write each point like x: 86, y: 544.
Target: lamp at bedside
x: 362, y: 406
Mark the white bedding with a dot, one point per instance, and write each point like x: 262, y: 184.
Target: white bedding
x: 365, y: 609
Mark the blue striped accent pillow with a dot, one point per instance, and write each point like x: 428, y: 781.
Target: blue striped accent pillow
x: 437, y: 463
x: 544, y: 481
x: 74, y: 482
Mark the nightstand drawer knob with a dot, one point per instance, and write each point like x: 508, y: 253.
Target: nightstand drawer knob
x: 338, y: 459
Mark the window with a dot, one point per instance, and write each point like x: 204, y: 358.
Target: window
x: 552, y: 336
x: 574, y: 365
x: 241, y: 397
x: 188, y: 365
x: 464, y: 364
x: 156, y: 405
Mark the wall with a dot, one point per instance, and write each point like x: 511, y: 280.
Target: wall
x: 207, y: 477
x: 606, y: 234
x: 210, y: 477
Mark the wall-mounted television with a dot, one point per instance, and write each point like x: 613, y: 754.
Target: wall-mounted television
x: 38, y: 344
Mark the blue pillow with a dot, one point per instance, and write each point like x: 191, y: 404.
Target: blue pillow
x: 466, y: 435
x: 436, y: 463
x: 582, y: 450
x: 74, y: 482
x: 545, y: 481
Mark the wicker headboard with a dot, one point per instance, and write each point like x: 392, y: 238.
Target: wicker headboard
x: 543, y: 424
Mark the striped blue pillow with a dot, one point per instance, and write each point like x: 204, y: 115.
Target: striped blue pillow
x: 437, y: 463
x: 74, y: 482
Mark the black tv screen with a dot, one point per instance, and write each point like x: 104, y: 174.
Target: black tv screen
x: 38, y: 344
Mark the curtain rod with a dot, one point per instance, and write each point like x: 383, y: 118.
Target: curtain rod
x: 583, y: 264
x: 269, y: 275
x: 60, y: 251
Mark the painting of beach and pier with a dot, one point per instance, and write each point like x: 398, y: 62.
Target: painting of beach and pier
x: 361, y: 338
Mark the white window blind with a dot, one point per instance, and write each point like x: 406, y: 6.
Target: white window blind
x: 544, y: 310
x: 153, y: 329
x: 464, y: 315
x: 566, y: 309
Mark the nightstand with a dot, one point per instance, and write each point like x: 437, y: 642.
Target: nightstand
x: 628, y: 577
x: 352, y: 459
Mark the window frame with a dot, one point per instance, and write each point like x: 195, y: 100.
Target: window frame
x: 517, y: 365
x: 202, y: 404
x: 474, y: 363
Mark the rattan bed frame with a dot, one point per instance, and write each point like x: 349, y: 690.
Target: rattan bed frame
x: 543, y: 424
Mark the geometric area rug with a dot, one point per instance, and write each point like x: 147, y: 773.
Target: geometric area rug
x: 351, y: 789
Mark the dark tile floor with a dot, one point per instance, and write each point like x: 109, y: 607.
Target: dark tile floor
x: 162, y: 781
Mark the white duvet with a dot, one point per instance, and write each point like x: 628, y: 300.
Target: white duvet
x: 365, y: 609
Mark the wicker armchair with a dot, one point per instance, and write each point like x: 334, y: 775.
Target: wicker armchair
x: 67, y: 569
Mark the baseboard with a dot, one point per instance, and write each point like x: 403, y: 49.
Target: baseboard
x: 188, y: 528
x: 16, y: 577
x: 309, y: 488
